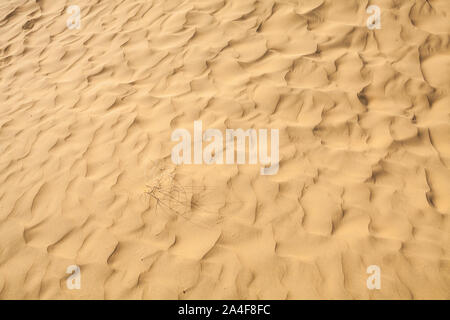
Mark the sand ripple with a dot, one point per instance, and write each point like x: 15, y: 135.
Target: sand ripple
x: 85, y: 123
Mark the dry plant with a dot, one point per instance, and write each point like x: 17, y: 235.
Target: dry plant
x: 174, y: 198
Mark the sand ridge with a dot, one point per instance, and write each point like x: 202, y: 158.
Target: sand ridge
x: 86, y: 176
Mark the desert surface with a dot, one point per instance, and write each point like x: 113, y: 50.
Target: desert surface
x: 88, y: 188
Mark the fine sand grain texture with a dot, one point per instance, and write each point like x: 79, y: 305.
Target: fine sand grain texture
x: 86, y: 176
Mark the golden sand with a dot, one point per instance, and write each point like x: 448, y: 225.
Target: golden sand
x: 86, y: 176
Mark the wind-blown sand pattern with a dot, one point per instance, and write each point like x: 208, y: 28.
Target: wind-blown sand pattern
x: 86, y: 177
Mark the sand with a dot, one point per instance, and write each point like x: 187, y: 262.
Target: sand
x: 86, y: 177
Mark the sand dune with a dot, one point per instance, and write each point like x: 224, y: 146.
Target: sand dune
x: 86, y: 176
